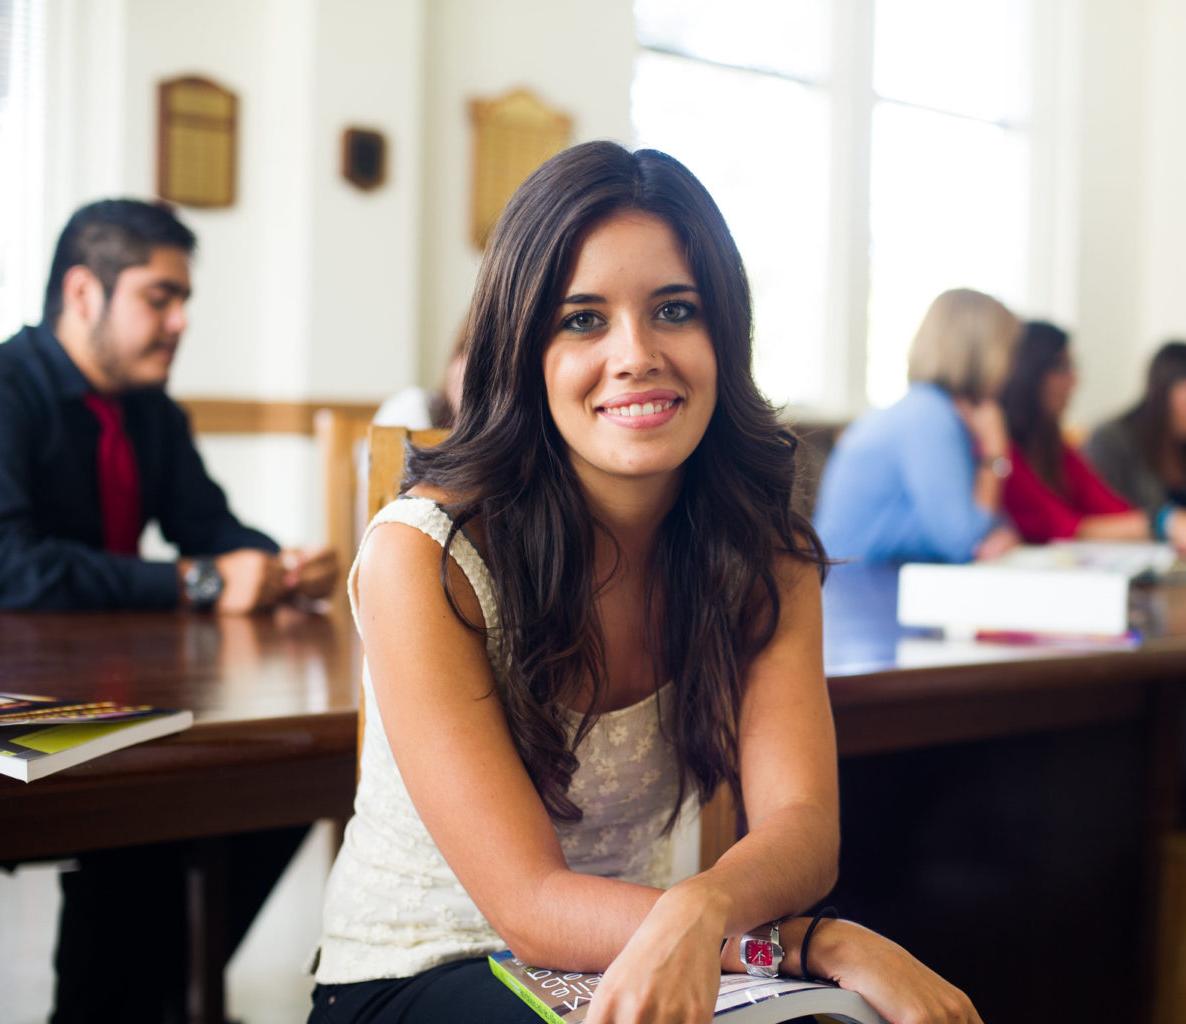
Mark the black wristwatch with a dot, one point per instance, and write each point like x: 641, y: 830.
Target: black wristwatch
x: 203, y: 584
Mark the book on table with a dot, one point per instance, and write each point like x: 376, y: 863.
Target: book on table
x: 563, y: 997
x: 1071, y: 588
x: 40, y: 735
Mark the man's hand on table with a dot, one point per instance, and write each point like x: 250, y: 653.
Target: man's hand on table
x: 310, y: 572
x: 255, y: 580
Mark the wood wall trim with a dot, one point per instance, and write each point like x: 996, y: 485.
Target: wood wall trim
x: 252, y: 416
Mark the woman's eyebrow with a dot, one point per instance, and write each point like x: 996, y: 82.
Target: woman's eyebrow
x: 583, y: 298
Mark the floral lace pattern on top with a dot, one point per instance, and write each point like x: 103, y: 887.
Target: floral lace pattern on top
x: 393, y: 907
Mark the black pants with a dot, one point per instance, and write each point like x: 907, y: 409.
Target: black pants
x: 462, y: 992
x: 123, y: 944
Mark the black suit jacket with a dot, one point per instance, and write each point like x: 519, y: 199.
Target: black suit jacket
x: 51, y: 535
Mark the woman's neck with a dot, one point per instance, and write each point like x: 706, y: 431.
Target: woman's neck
x: 631, y: 510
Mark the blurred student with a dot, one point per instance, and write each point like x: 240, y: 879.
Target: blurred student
x: 91, y: 449
x: 1141, y: 454
x: 418, y: 409
x: 922, y: 480
x: 1052, y: 493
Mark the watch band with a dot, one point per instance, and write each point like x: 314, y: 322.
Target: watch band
x: 1001, y: 466
x: 761, y: 952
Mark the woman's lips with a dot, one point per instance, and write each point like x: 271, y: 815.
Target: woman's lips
x: 641, y: 415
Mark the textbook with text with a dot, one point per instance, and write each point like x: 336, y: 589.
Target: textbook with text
x: 40, y: 735
x: 563, y: 997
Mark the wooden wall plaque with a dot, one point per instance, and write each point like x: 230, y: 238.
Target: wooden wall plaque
x: 512, y: 136
x: 197, y: 132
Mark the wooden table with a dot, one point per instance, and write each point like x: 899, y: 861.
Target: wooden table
x: 926, y: 730
x: 1002, y: 805
x: 273, y: 742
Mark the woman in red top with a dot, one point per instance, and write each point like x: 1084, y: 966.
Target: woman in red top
x: 1052, y: 493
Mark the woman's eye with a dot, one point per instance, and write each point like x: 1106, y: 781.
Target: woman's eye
x: 676, y: 312
x: 581, y: 322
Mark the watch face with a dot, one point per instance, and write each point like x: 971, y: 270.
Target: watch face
x: 203, y: 583
x: 759, y: 953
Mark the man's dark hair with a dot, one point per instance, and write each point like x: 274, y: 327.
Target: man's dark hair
x: 109, y: 236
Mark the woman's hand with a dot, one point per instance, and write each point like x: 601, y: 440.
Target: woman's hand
x: 670, y: 970
x: 900, y: 988
x: 985, y: 421
x: 996, y: 542
x: 1175, y: 530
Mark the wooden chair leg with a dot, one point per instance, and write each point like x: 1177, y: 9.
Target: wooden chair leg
x: 206, y: 896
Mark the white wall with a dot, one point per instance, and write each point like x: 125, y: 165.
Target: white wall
x: 1165, y: 123
x: 1111, y: 260
x: 306, y: 286
x: 576, y: 57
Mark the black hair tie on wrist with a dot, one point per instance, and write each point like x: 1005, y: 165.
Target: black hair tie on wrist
x: 828, y: 911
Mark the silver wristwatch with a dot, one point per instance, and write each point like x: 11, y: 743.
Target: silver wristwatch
x: 761, y: 952
x: 203, y: 583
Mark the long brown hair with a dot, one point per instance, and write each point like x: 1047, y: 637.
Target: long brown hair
x: 1150, y: 417
x: 712, y: 568
x: 1041, y: 350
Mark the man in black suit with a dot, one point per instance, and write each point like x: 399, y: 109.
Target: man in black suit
x: 83, y: 391
x: 92, y: 449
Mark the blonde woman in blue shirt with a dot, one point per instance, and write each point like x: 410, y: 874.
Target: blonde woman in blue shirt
x: 922, y: 480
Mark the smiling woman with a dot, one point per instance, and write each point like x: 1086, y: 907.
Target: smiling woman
x: 607, y: 609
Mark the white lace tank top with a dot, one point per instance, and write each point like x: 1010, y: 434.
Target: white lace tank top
x: 393, y: 907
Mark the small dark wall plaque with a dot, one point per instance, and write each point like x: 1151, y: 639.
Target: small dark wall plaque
x: 364, y: 158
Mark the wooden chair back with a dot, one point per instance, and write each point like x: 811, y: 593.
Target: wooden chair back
x: 340, y: 438
x: 387, y: 449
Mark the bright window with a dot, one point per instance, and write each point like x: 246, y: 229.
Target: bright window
x: 735, y: 92
x: 950, y: 168
x: 858, y: 187
x: 22, y: 167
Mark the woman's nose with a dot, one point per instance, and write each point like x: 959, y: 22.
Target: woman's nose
x: 636, y: 351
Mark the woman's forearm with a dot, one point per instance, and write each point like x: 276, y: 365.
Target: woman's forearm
x: 987, y: 489
x: 1114, y: 526
x: 758, y: 879
x: 578, y: 922
x: 581, y: 922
